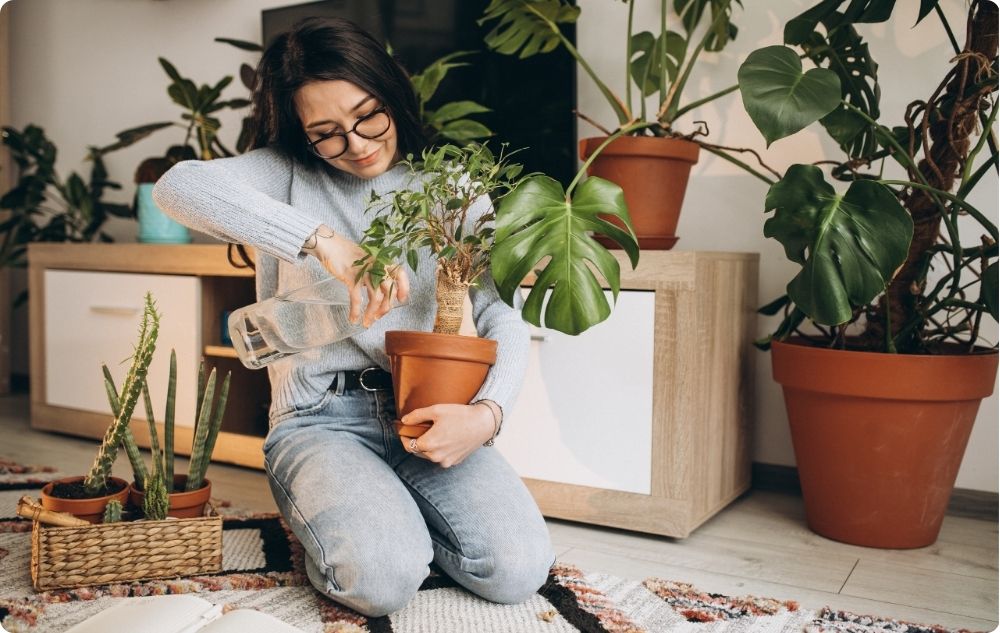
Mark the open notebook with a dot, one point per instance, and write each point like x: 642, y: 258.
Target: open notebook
x: 179, y: 614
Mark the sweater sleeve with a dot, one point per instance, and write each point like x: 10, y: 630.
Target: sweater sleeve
x: 496, y: 320
x: 242, y: 199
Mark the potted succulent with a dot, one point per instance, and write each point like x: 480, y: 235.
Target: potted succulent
x: 883, y: 389
x: 536, y: 224
x: 160, y: 492
x: 649, y: 158
x: 87, y: 496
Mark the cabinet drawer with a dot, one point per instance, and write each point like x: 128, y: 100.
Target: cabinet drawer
x: 93, y: 318
x: 585, y: 413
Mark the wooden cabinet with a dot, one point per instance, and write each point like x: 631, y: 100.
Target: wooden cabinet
x: 85, y: 301
x: 644, y: 422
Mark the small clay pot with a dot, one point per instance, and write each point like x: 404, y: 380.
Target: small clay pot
x: 183, y: 505
x: 87, y: 509
x: 430, y: 368
x: 653, y: 173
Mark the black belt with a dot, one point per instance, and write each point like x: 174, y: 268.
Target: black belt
x: 370, y: 379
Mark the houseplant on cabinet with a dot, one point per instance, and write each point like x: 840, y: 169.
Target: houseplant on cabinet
x: 649, y: 158
x: 882, y: 393
x: 86, y: 497
x: 451, y: 217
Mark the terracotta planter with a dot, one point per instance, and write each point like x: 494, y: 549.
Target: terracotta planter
x: 429, y: 368
x: 87, y: 509
x: 183, y: 505
x: 879, y: 438
x: 653, y: 172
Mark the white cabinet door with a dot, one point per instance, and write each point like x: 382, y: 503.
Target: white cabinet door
x: 93, y: 318
x: 585, y: 413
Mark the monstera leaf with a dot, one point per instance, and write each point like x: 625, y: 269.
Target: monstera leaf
x: 537, y: 221
x: 849, y: 245
x: 527, y: 27
x: 649, y: 63
x: 988, y: 289
x: 779, y: 97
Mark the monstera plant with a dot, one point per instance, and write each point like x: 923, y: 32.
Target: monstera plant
x: 650, y: 157
x: 447, y: 220
x: 885, y: 268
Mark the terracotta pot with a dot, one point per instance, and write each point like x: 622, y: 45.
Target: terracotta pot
x: 87, y: 509
x: 183, y: 505
x: 879, y: 438
x: 429, y: 368
x: 653, y: 172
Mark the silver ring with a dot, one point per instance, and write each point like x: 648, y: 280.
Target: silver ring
x: 413, y: 445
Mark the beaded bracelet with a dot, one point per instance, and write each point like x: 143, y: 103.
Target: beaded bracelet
x: 497, y: 424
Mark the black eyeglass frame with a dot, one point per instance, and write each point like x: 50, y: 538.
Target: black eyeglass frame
x: 354, y: 129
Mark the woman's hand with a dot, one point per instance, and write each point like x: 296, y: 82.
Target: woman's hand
x: 458, y: 430
x: 338, y: 254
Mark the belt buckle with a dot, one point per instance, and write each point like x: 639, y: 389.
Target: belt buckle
x: 361, y: 379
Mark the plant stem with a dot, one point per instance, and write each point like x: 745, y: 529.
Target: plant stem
x: 668, y: 109
x: 947, y: 28
x: 971, y: 210
x: 583, y: 169
x: 704, y: 100
x: 628, y: 59
x: 663, y: 50
x: 740, y: 163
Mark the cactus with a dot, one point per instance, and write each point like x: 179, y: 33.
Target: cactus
x: 156, y: 503
x: 96, y: 480
x: 112, y: 512
x: 128, y: 441
x: 206, y: 428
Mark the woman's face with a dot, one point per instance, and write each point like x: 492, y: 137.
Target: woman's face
x: 336, y: 106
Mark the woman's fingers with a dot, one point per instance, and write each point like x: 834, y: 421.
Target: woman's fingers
x: 355, y: 291
x: 374, y: 301
x: 402, y: 283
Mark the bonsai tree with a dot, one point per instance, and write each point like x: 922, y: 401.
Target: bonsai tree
x: 535, y: 221
x: 867, y: 253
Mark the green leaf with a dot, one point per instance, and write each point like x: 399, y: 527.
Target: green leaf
x: 849, y: 245
x: 648, y: 63
x: 456, y: 110
x: 536, y: 221
x: 845, y: 53
x: 723, y: 31
x: 779, y: 98
x: 801, y: 27
x: 241, y: 44
x: 426, y: 83
x: 465, y: 130
x: 527, y: 27
x: 774, y: 307
x: 133, y: 135
x: 988, y: 289
x: 926, y: 6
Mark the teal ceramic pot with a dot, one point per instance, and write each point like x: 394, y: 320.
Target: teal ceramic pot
x: 154, y: 226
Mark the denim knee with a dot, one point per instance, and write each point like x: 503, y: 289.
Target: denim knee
x: 514, y: 573
x: 372, y: 588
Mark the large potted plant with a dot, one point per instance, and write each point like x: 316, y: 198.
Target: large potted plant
x: 648, y: 156
x: 87, y: 496
x: 537, y: 224
x: 883, y: 389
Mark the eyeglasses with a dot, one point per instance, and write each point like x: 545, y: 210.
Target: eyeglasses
x: 371, y: 126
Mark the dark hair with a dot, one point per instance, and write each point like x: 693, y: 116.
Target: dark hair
x: 320, y: 49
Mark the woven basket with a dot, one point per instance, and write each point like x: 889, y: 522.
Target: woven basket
x: 63, y: 557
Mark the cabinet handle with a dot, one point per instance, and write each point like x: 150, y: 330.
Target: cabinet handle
x: 541, y: 338
x: 115, y: 310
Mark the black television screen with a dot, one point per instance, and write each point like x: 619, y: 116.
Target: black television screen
x: 532, y: 100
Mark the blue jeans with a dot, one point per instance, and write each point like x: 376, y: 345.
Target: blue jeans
x: 371, y: 516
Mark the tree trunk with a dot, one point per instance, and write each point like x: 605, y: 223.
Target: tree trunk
x: 953, y: 119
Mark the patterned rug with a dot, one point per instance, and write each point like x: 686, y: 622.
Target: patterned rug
x: 263, y: 570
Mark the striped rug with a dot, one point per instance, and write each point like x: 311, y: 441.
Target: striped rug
x: 263, y: 570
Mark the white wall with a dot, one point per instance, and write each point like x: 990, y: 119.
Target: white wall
x: 85, y: 69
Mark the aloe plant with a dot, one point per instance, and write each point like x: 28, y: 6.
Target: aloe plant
x: 535, y: 220
x: 96, y: 480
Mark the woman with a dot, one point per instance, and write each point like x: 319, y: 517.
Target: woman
x: 333, y: 114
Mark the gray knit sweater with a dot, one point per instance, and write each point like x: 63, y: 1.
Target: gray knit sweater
x: 273, y: 203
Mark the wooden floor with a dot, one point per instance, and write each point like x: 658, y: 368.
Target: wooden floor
x: 759, y: 545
